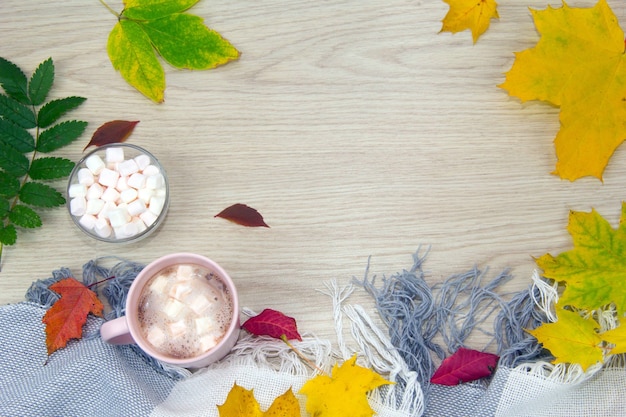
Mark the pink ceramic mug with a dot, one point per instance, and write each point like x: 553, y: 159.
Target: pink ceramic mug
x: 170, y: 307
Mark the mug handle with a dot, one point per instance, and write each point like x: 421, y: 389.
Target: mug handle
x: 116, y: 332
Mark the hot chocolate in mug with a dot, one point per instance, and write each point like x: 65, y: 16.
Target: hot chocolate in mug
x: 181, y: 309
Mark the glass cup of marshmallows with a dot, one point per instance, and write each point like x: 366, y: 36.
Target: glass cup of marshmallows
x: 118, y: 193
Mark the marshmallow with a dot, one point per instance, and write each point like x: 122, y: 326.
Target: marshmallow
x: 180, y: 290
x: 95, y: 164
x: 142, y: 161
x: 205, y: 325
x: 108, y: 206
x: 136, y: 181
x: 200, y: 304
x: 102, y: 228
x: 88, y: 221
x: 148, y: 217
x: 77, y: 190
x: 94, y: 191
x: 78, y: 206
x: 173, y: 307
x: 151, y: 170
x: 207, y: 342
x: 177, y: 328
x: 128, y: 195
x: 136, y: 207
x: 110, y: 195
x: 156, y: 205
x: 114, y: 154
x: 145, y: 194
x: 156, y: 336
x: 85, y: 177
x: 158, y: 284
x: 122, y: 184
x: 108, y: 177
x: 118, y: 216
x: 94, y: 206
x: 128, y: 167
x: 126, y: 230
x: 185, y: 272
x: 155, y: 181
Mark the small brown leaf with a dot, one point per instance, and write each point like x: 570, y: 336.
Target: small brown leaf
x: 243, y: 215
x: 115, y: 131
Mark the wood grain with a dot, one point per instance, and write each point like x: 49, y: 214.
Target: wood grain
x: 354, y: 127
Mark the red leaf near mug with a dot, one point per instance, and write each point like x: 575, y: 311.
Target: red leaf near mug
x: 274, y: 324
x: 464, y: 365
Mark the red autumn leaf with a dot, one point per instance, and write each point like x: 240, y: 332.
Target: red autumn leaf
x: 464, y: 365
x: 243, y: 215
x: 65, y: 319
x: 115, y: 131
x: 274, y: 324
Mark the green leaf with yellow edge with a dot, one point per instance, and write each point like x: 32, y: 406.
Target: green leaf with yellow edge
x: 131, y: 54
x: 594, y: 272
x: 185, y: 42
x: 475, y: 15
x: 616, y: 337
x: 571, y: 339
x: 579, y: 65
x: 148, y: 27
x: 240, y: 402
x: 343, y: 393
x: 154, y: 9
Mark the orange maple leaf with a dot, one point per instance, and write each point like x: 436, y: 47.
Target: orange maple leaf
x: 65, y: 319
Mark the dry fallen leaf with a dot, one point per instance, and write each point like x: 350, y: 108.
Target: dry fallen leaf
x: 343, y: 393
x: 469, y: 14
x: 465, y: 365
x: 243, y: 215
x: 115, y: 131
x: 240, y: 402
x: 65, y: 319
x: 578, y: 65
x: 571, y: 339
x: 272, y: 323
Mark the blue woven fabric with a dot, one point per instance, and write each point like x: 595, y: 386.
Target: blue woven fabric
x: 88, y: 378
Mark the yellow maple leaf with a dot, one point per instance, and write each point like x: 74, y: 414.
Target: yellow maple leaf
x: 469, y: 14
x: 579, y: 65
x: 240, y: 402
x: 617, y: 337
x: 571, y: 339
x: 343, y: 393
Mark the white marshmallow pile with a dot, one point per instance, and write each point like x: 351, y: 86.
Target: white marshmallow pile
x: 117, y: 197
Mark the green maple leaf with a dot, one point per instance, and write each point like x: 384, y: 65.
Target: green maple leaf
x: 594, y: 272
x: 148, y: 27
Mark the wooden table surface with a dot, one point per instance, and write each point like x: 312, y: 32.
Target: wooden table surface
x: 353, y: 126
